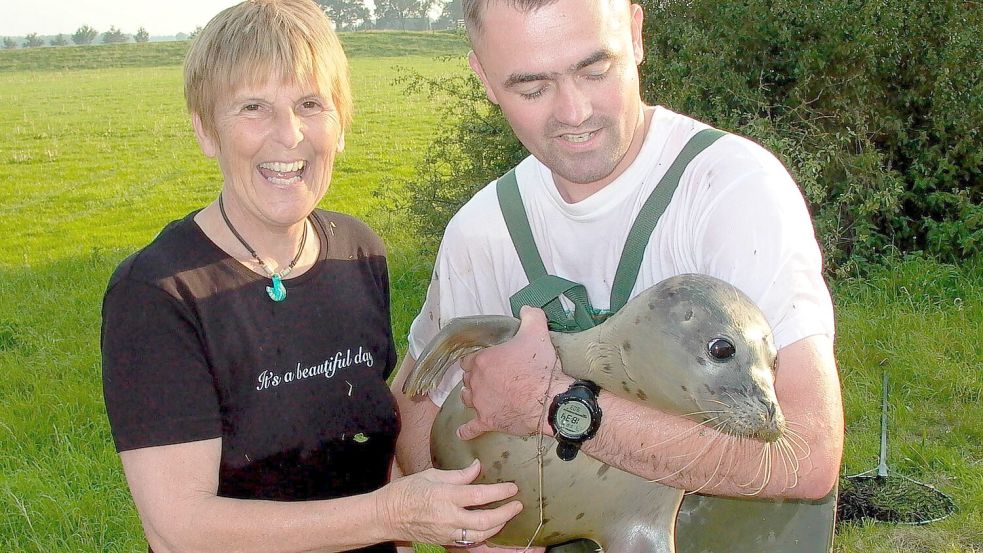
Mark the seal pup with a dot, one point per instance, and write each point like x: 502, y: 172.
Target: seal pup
x: 692, y: 345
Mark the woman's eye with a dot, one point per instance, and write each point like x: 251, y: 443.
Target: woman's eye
x: 311, y: 107
x: 721, y: 349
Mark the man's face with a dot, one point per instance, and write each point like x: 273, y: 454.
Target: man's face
x: 566, y: 78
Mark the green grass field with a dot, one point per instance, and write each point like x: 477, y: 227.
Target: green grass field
x: 97, y: 155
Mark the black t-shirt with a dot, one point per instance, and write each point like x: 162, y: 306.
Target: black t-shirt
x: 193, y: 348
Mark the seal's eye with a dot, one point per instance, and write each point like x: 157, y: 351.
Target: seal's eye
x: 721, y: 349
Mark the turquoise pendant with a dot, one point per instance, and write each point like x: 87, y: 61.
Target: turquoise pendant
x: 278, y: 291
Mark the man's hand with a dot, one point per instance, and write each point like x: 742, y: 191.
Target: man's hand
x: 510, y: 385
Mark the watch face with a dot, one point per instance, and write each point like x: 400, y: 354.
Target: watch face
x: 573, y: 419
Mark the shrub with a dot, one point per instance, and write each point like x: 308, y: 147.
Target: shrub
x: 474, y: 146
x: 875, y: 108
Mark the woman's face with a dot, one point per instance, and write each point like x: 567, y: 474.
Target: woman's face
x: 275, y: 144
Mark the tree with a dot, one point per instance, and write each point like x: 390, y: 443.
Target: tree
x: 33, y: 41
x: 347, y: 15
x: 9, y: 43
x: 194, y: 33
x: 396, y: 13
x: 60, y: 40
x: 142, y: 35
x: 84, y: 35
x: 114, y: 35
x: 450, y: 16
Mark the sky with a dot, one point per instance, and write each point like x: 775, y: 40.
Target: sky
x: 159, y: 17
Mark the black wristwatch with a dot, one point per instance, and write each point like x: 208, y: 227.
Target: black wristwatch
x: 575, y: 416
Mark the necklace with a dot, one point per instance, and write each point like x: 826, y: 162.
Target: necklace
x: 277, y: 292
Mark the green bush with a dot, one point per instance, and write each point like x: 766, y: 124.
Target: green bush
x: 875, y: 108
x: 472, y: 147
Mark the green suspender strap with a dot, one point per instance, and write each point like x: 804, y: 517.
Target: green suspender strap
x: 544, y: 290
x: 648, y: 216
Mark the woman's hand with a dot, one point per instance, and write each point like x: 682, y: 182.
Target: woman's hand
x: 434, y: 506
x: 485, y: 548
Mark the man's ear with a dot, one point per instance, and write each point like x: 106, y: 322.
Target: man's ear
x: 207, y: 144
x: 480, y: 72
x: 636, y: 33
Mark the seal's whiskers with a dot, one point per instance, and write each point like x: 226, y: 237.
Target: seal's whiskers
x: 696, y: 457
x: 790, y: 463
x: 746, y: 442
x: 796, y: 439
x: 762, y: 464
x: 720, y: 460
x: 764, y: 470
x: 787, y: 451
x: 697, y: 426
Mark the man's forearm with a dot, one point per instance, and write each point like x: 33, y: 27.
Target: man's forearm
x: 681, y: 453
x: 416, y: 415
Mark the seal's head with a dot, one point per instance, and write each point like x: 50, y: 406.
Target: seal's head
x: 699, y: 347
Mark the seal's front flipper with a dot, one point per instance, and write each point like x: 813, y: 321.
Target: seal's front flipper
x: 460, y: 337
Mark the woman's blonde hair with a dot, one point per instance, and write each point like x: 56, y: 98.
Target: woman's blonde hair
x: 258, y: 40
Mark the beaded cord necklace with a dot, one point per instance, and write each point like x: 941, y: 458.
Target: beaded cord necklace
x: 277, y: 292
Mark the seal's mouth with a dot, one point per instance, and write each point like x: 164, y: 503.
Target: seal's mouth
x: 773, y: 428
x: 757, y: 418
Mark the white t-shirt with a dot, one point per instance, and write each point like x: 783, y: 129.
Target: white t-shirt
x: 736, y: 215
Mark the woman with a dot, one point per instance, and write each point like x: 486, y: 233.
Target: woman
x: 245, y: 350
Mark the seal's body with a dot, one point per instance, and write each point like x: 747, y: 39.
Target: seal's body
x: 663, y: 350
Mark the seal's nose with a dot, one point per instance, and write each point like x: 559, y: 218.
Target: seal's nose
x: 774, y: 421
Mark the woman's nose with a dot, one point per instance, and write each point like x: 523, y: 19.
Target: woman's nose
x: 288, y: 128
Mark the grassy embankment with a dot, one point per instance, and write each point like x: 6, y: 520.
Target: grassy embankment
x: 97, y: 155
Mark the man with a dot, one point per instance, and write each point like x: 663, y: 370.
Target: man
x: 565, y: 75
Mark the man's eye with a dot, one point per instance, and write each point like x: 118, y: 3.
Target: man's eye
x: 532, y: 94
x: 250, y: 107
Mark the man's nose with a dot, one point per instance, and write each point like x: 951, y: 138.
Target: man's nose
x: 573, y: 106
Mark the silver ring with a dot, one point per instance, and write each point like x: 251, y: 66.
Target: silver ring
x: 464, y: 539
